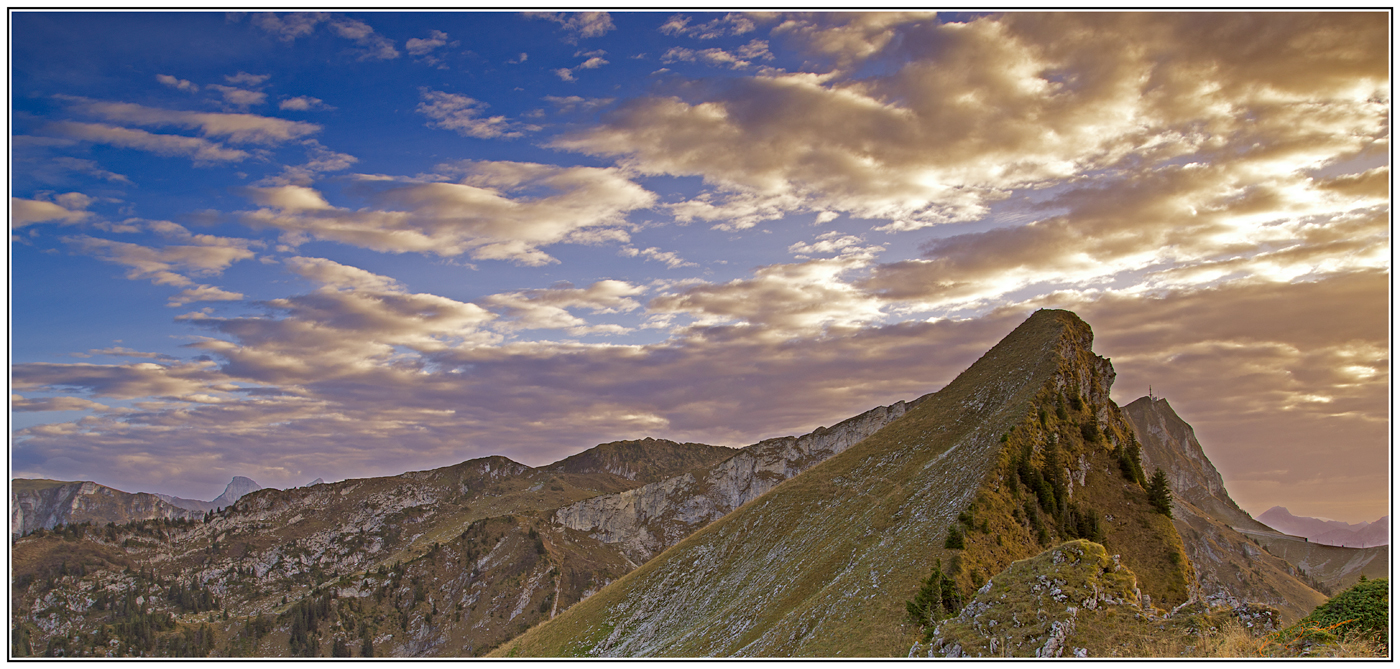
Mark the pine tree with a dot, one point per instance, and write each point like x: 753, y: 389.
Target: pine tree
x: 1159, y: 493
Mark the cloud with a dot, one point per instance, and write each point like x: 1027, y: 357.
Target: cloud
x: 740, y: 59
x: 303, y: 103
x: 487, y: 213
x: 88, y: 167
x: 463, y: 114
x: 373, y: 45
x: 181, y: 84
x: 782, y: 301
x: 20, y: 403
x: 131, y: 381
x: 548, y: 308
x: 571, y: 103
x: 578, y: 24
x: 729, y: 24
x: 240, y: 97
x: 421, y: 47
x: 26, y: 212
x: 237, y: 128
x: 201, y: 151
x: 319, y: 161
x: 203, y: 293
x: 288, y: 27
x: 670, y: 258
x: 960, y: 116
x: 204, y: 255
x: 246, y: 79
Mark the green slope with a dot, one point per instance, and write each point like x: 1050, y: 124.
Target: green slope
x: 822, y: 564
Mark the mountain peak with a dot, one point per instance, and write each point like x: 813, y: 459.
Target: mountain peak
x: 238, y: 487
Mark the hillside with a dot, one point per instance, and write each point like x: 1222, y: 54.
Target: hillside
x: 1231, y: 567
x: 451, y: 561
x: 822, y: 564
x: 41, y: 503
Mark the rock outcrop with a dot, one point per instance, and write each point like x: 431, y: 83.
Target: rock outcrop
x: 648, y: 519
x: 41, y: 503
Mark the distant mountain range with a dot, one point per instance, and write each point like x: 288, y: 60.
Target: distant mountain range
x: 1329, y: 532
x: 45, y: 504
x: 237, y: 488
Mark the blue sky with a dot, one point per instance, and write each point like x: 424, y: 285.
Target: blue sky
x: 329, y: 245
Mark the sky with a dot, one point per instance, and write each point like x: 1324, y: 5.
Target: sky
x: 335, y: 245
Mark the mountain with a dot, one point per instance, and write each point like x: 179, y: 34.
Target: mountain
x: 1021, y: 450
x: 238, y: 487
x: 1328, y: 532
x: 451, y: 561
x: 44, y: 504
x: 644, y: 461
x: 1231, y: 567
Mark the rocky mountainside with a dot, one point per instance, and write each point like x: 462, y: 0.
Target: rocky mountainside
x: 1231, y: 567
x: 450, y: 561
x: 1329, y: 532
x: 646, y: 520
x: 238, y: 487
x: 1021, y: 449
x: 1170, y: 443
x: 643, y: 460
x: 44, y: 504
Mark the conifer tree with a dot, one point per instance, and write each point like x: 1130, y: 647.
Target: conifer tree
x: 1159, y: 493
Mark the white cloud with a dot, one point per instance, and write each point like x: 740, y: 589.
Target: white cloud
x: 246, y: 79
x: 68, y: 209
x: 288, y: 27
x: 498, y: 210
x: 463, y: 114
x: 420, y: 46
x: 303, y: 103
x: 237, y: 128
x: 181, y: 84
x: 729, y: 24
x: 578, y: 24
x: 373, y: 45
x: 200, y: 150
x: 240, y: 97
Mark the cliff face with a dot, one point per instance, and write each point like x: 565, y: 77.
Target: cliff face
x: 1170, y: 443
x: 1231, y: 568
x: 36, y: 504
x: 645, y: 521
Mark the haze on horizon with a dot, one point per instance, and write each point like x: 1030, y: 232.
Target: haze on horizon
x: 291, y: 246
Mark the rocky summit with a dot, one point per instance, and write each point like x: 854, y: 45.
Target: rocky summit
x: 1008, y: 514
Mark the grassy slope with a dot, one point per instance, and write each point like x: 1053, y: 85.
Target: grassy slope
x: 821, y: 565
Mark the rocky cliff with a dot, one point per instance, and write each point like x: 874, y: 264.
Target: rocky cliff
x: 41, y: 503
x: 1221, y: 539
x: 646, y: 520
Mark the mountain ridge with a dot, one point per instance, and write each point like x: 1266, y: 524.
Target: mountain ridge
x: 780, y: 576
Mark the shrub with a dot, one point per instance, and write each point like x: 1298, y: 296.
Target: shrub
x: 954, y: 540
x: 1090, y: 432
